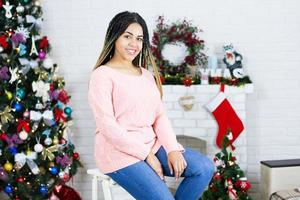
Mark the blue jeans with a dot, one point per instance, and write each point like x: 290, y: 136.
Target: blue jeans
x: 143, y: 183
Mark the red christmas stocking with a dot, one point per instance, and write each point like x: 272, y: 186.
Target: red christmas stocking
x: 225, y: 116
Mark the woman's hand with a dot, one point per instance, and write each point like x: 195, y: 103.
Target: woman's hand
x: 153, y: 161
x: 176, y: 163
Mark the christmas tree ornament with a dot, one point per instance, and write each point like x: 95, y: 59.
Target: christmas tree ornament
x: 53, y: 170
x: 4, y: 73
x: 20, y: 93
x: 225, y: 116
x: 66, y: 193
x: 55, y: 140
x: 29, y: 157
x: 20, y: 179
x: 33, y: 47
x: 47, y: 153
x: 8, y: 189
x: 48, y: 141
x: 42, y: 55
x: 38, y: 148
x: 41, y: 88
x: 26, y: 114
x: 13, y: 150
x: 43, y: 189
x: 5, y: 115
x: 3, y: 174
x: 23, y: 135
x: 14, y: 75
x: 7, y: 8
x: 68, y: 111
x: 75, y: 155
x: 20, y: 9
x: 8, y: 166
x: 17, y: 107
x: 9, y: 95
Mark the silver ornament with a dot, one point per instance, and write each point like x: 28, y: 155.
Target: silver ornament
x: 38, y: 148
x: 48, y: 141
x: 23, y: 135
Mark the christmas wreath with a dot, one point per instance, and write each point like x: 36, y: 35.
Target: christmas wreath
x: 178, y: 50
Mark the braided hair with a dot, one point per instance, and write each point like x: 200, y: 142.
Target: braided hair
x: 117, y: 26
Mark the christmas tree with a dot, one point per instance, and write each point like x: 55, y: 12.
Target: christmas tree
x: 229, y: 181
x: 37, y: 153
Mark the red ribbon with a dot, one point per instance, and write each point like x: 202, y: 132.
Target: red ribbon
x: 23, y: 124
x: 59, y: 115
x: 3, y: 42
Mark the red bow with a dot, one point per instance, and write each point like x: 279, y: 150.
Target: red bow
x: 3, y: 42
x: 23, y: 124
x: 59, y: 115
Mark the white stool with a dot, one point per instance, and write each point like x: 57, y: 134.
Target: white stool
x: 106, y: 182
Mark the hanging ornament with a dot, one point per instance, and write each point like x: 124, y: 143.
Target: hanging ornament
x: 44, y: 43
x: 33, y: 47
x: 23, y: 31
x: 55, y: 140
x: 48, y: 152
x: 22, y: 49
x: 20, y: 93
x: 13, y: 150
x: 186, y: 102
x: 8, y: 189
x: 38, y: 147
x: 20, y: 179
x: 4, y: 73
x: 17, y: 106
x: 23, y: 135
x: 42, y: 55
x: 75, y: 156
x: 68, y: 111
x: 26, y: 114
x: 9, y: 95
x: 53, y: 170
x: 48, y: 141
x: 14, y: 75
x: 7, y: 8
x: 8, y: 166
x: 41, y: 88
x: 43, y: 189
x: 20, y: 9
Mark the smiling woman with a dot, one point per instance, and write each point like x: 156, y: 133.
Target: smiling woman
x: 135, y: 144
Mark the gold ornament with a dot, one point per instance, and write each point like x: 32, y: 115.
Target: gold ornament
x: 9, y: 95
x: 48, y: 152
x: 8, y: 166
x: 55, y: 140
x: 60, y: 82
x: 186, y: 102
x: 5, y: 115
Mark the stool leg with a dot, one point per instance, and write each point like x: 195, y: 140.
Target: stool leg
x: 106, y: 190
x: 95, y: 188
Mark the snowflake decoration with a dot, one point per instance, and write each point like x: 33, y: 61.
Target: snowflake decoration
x: 23, y: 31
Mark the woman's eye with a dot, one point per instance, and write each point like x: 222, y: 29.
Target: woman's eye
x: 140, y: 39
x: 127, y: 36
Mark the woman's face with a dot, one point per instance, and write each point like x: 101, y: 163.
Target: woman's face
x: 130, y: 43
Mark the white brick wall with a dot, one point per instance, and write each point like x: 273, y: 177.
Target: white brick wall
x: 265, y: 32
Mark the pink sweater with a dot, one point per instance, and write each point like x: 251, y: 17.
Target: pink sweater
x: 130, y: 118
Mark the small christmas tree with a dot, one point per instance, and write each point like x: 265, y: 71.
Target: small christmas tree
x: 229, y: 181
x: 36, y: 151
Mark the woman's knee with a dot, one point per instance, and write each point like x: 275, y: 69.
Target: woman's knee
x: 201, y: 165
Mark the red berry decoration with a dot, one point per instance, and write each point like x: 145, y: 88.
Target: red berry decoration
x: 162, y: 79
x: 75, y: 156
x: 187, y: 81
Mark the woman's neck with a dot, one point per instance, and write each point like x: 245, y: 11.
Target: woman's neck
x: 120, y: 63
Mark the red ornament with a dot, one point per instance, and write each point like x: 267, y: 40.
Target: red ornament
x: 187, y: 81
x: 1, y: 3
x: 233, y: 81
x: 20, y: 179
x: 51, y: 86
x: 59, y: 115
x: 3, y: 136
x: 44, y: 43
x: 17, y: 198
x: 63, y: 97
x: 75, y: 155
x: 217, y: 176
x: 66, y: 193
